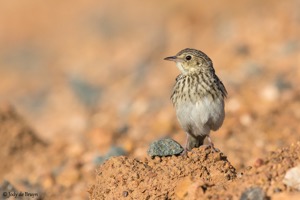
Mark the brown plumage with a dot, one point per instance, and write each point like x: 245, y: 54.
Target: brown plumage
x: 198, y: 96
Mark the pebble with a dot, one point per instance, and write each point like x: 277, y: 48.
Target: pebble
x: 254, y: 193
x: 259, y: 162
x: 165, y: 147
x: 270, y: 93
x: 292, y: 178
x: 125, y: 193
x: 6, y: 186
x: 246, y: 120
x: 282, y: 84
x: 242, y: 49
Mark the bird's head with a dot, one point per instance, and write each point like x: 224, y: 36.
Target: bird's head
x: 191, y: 61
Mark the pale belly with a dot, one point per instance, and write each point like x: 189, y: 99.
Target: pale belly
x: 201, y: 117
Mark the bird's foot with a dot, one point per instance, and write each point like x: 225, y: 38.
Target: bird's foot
x: 211, y: 147
x: 184, y: 153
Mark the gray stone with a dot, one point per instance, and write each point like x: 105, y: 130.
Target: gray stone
x: 8, y: 191
x: 282, y: 84
x: 164, y: 147
x: 254, y: 193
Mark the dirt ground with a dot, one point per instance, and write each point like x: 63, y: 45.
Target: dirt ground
x: 201, y: 174
x: 85, y: 90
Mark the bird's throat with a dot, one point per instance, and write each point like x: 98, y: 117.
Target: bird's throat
x: 181, y: 68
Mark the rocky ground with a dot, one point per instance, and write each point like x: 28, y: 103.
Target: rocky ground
x: 84, y: 91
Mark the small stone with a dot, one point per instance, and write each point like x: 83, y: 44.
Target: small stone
x: 292, y: 178
x: 6, y: 186
x: 246, y: 120
x: 259, y: 162
x: 242, y: 49
x: 165, y: 147
x: 7, y: 190
x: 125, y: 193
x: 270, y: 93
x: 254, y: 193
x: 239, y: 175
x: 282, y: 84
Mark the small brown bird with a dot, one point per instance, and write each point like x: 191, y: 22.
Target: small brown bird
x: 198, y: 97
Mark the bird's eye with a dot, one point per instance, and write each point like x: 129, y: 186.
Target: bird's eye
x: 188, y: 57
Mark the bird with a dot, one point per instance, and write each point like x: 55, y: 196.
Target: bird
x: 198, y: 97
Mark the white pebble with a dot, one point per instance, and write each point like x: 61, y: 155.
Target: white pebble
x: 246, y: 119
x: 292, y: 177
x: 270, y: 93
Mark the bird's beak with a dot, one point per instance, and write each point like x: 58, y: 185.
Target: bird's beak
x: 172, y: 58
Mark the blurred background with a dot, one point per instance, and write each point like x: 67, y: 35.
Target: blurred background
x: 88, y: 80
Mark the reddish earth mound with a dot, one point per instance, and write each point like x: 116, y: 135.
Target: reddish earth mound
x: 163, y: 178
x: 202, y: 173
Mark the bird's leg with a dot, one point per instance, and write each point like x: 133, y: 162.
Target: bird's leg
x: 185, y: 150
x: 211, y: 144
x: 192, y: 142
